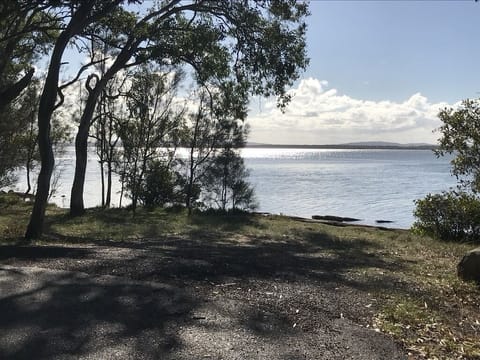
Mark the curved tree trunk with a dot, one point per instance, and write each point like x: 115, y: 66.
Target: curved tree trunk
x: 29, y: 185
x: 81, y: 140
x: 77, y: 207
x: 35, y: 226
x: 45, y: 111
x: 47, y: 106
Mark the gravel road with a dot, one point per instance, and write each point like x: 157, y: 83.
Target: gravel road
x: 176, y: 299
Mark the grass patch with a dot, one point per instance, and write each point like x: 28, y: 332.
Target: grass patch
x: 419, y: 300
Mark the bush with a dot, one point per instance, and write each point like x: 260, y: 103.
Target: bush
x: 226, y: 183
x: 160, y: 186
x: 452, y: 216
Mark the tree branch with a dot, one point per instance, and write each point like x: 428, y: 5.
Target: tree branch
x: 14, y: 90
x: 80, y: 71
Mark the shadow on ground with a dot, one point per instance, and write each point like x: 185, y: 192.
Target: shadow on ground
x: 49, y: 315
x: 169, y: 293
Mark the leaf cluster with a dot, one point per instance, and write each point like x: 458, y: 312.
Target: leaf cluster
x: 461, y: 137
x: 450, y: 216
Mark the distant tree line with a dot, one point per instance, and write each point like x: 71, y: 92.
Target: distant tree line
x: 161, y: 75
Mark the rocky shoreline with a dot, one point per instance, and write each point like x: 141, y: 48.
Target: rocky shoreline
x: 337, y: 221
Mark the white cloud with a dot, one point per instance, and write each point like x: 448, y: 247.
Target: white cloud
x: 318, y: 115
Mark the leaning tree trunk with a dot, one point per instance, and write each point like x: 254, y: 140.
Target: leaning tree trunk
x: 35, y: 226
x: 45, y: 111
x: 47, y: 106
x: 77, y: 206
x: 29, y: 184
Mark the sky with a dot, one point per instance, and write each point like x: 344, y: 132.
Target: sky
x: 379, y: 71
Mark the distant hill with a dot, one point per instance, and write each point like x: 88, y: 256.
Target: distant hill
x: 353, y: 145
x: 387, y: 144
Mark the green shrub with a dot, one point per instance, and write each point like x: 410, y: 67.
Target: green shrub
x: 452, y: 216
x: 9, y: 199
x: 160, y: 186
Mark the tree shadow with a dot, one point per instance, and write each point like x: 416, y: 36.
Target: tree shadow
x: 225, y: 221
x: 33, y: 253
x: 72, y: 314
x: 67, y: 314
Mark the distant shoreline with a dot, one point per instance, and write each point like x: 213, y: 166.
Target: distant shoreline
x: 344, y: 147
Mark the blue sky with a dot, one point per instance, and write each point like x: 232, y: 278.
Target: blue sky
x: 379, y: 70
x: 391, y: 49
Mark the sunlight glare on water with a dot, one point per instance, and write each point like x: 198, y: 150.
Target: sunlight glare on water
x: 366, y: 184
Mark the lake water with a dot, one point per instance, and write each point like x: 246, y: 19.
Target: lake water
x: 366, y: 184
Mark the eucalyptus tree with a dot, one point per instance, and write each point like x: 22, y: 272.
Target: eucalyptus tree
x: 257, y: 45
x: 78, y: 16
x: 10, y: 131
x: 28, y: 148
x: 227, y: 182
x: 217, y: 124
x: 201, y: 139
x: 110, y: 112
x: 460, y: 137
x: 225, y: 175
x: 148, y: 134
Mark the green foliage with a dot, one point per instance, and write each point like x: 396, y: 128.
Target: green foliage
x: 18, y: 134
x: 161, y: 185
x: 461, y: 137
x: 456, y: 215
x: 215, y: 125
x: 27, y: 31
x: 451, y: 216
x: 9, y: 159
x: 149, y: 133
x: 257, y: 47
x: 226, y: 183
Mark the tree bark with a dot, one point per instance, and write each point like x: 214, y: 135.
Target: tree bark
x: 47, y: 106
x: 77, y: 206
x: 29, y: 186
x: 45, y: 111
x: 109, y: 184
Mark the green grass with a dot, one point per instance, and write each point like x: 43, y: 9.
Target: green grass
x: 420, y: 300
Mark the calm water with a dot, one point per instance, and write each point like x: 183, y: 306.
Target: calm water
x: 366, y: 184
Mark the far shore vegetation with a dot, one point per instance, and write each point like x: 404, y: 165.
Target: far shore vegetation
x: 360, y: 146
x: 405, y: 285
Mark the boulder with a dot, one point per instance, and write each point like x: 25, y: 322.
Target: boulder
x: 469, y: 266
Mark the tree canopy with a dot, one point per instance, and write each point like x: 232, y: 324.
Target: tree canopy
x: 460, y: 136
x: 241, y: 48
x: 454, y: 215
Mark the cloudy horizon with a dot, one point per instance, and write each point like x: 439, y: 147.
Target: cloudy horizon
x: 319, y: 115
x: 379, y: 71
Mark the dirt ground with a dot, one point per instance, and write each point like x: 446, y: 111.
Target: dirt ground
x: 175, y: 298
